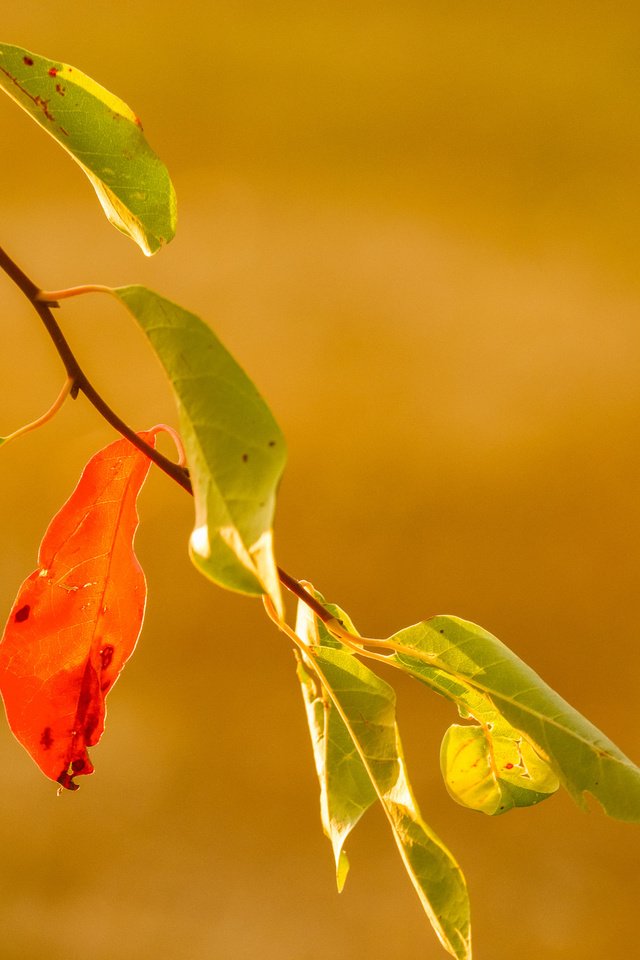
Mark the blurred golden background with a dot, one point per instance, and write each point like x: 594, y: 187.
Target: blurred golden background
x: 416, y: 226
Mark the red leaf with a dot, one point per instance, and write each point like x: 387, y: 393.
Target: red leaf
x: 76, y: 619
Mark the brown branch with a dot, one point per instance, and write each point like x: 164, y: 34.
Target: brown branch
x: 81, y: 384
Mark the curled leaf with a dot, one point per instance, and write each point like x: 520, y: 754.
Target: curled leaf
x: 485, y: 678
x: 76, y: 619
x: 103, y: 135
x: 491, y: 768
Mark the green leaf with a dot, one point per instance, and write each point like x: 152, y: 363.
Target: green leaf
x: 366, y: 705
x: 470, y: 666
x: 492, y: 769
x: 234, y: 448
x: 346, y: 791
x: 103, y: 136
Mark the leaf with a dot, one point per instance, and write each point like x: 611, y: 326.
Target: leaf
x: 470, y: 666
x: 346, y: 791
x: 76, y: 619
x: 234, y: 448
x: 366, y: 705
x: 103, y: 136
x: 492, y: 769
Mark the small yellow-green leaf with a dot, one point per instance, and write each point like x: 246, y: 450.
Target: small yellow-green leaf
x: 492, y: 769
x: 234, y: 448
x: 103, y: 135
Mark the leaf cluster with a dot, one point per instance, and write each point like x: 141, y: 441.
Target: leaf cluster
x: 77, y: 617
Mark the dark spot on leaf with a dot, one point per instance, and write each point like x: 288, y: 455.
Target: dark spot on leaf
x: 66, y: 781
x: 77, y: 765
x: 245, y: 457
x: 508, y: 766
x: 106, y: 656
x: 272, y: 443
x: 46, y: 740
x: 441, y: 631
x: 22, y: 614
x: 60, y: 89
x: 44, y: 106
x: 27, y: 61
x: 52, y: 72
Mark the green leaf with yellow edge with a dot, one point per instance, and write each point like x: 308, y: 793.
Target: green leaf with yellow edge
x: 234, y: 448
x: 346, y: 791
x: 474, y: 669
x: 103, y: 135
x: 366, y: 705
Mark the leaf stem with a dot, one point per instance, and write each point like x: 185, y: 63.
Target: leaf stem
x: 40, y: 421
x: 52, y: 296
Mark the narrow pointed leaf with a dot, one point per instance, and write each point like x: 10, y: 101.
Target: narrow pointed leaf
x: 103, y: 135
x: 235, y: 450
x: 470, y: 666
x: 366, y: 705
x: 76, y: 619
x: 346, y: 791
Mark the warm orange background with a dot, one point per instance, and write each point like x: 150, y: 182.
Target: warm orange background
x: 416, y: 225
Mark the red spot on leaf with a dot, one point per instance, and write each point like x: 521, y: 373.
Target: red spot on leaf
x: 51, y: 662
x: 508, y: 766
x: 22, y: 614
x: 27, y: 61
x: 53, y: 72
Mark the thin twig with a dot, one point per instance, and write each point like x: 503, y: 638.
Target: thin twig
x: 40, y: 421
x: 42, y: 301
x: 81, y: 383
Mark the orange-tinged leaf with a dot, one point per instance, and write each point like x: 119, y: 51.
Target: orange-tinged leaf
x: 76, y: 619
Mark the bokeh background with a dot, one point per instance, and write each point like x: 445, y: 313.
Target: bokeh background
x: 416, y: 225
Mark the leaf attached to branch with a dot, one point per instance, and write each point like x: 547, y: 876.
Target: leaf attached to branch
x: 370, y: 742
x: 77, y: 617
x: 234, y: 448
x: 346, y: 791
x: 103, y: 135
x: 490, y: 683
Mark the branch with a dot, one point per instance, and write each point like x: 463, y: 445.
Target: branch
x: 81, y: 383
x: 43, y: 302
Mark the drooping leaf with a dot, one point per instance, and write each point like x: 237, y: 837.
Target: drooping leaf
x: 470, y: 666
x: 103, y: 135
x: 76, y: 619
x: 346, y: 791
x: 234, y: 448
x: 366, y: 705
